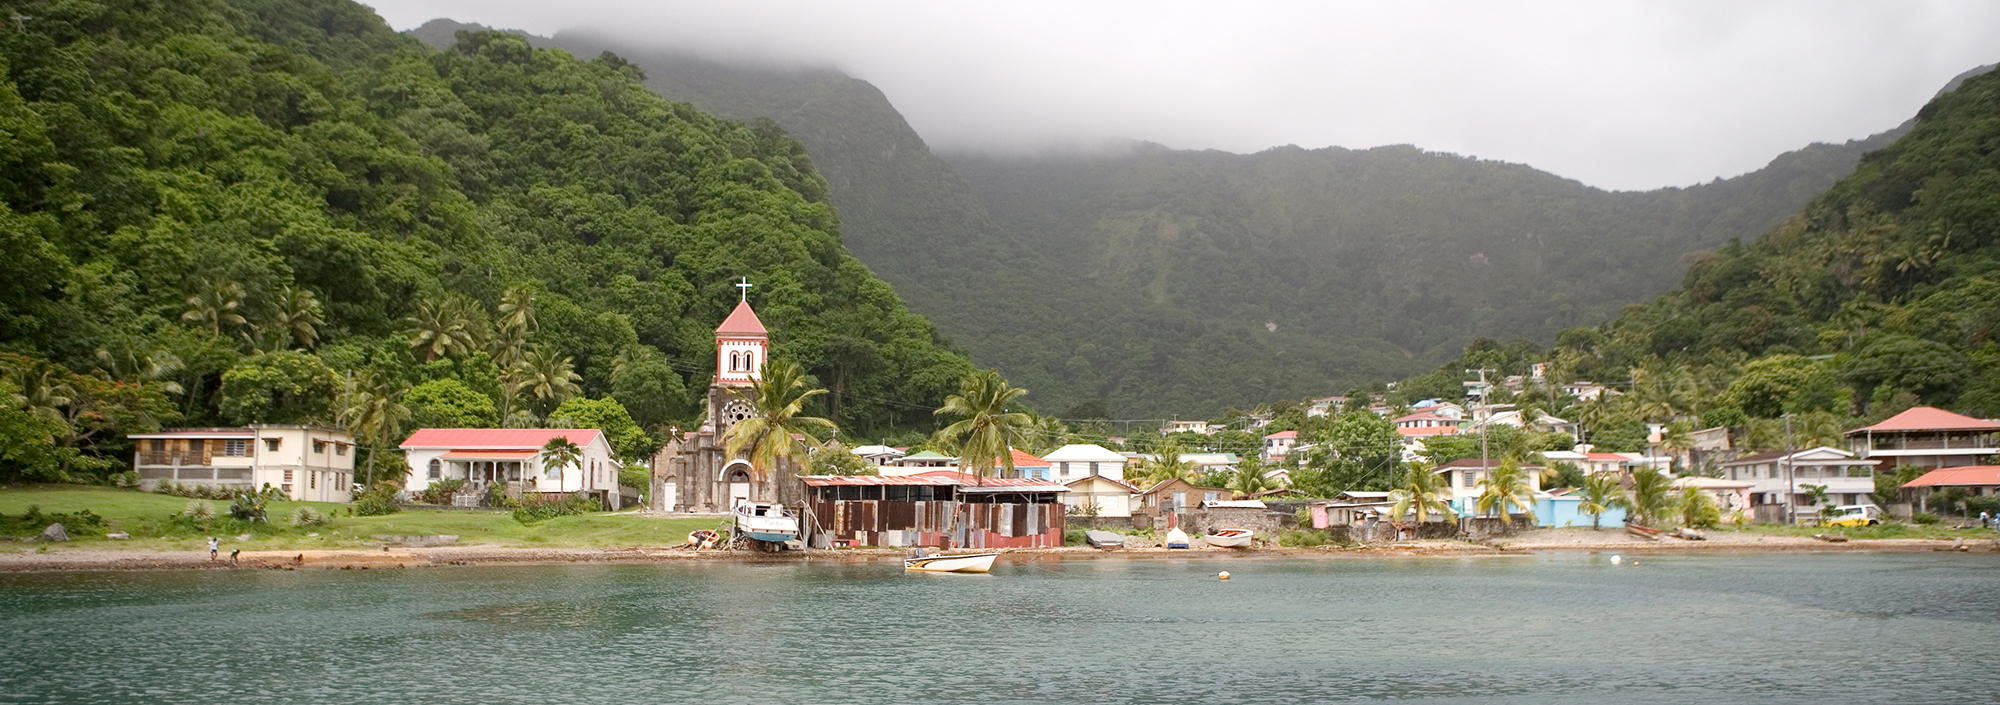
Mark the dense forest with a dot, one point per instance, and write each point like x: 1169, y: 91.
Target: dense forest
x: 1158, y: 282
x: 280, y: 211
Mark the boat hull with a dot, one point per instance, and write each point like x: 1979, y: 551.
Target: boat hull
x: 1177, y: 538
x: 966, y: 563
x: 1234, y: 538
x: 766, y: 522
x: 1103, y: 539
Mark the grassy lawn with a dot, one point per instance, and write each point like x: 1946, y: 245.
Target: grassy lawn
x: 149, y: 519
x: 1886, y: 530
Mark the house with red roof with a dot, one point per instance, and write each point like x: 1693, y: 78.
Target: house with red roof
x: 511, y: 458
x: 1977, y: 480
x: 1927, y: 437
x: 1278, y: 445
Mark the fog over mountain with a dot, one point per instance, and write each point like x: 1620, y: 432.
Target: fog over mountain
x: 1616, y: 95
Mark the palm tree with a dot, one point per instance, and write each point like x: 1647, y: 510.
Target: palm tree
x: 1697, y: 507
x: 43, y: 393
x: 371, y: 408
x: 1651, y: 492
x: 509, y: 343
x: 1423, y: 491
x: 1249, y: 479
x: 560, y: 452
x: 441, y: 328
x: 548, y: 375
x: 1167, y: 464
x: 213, y: 304
x: 295, y: 314
x: 1677, y: 439
x: 137, y: 365
x: 1600, y: 493
x: 988, y: 425
x: 776, y: 431
x: 1506, y: 485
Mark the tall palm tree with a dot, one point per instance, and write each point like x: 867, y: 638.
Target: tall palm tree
x: 133, y: 364
x: 1651, y: 494
x: 1422, y: 492
x: 371, y: 408
x: 548, y: 375
x: 1677, y: 439
x: 441, y: 328
x: 295, y: 315
x: 1167, y: 464
x: 1249, y: 479
x: 43, y: 393
x: 1600, y: 493
x: 1507, y: 485
x: 560, y: 452
x: 988, y: 425
x: 776, y: 431
x: 215, y: 303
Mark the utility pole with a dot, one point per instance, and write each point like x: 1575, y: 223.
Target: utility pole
x: 1483, y: 454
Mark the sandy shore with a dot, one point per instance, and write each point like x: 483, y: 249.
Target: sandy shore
x: 393, y: 557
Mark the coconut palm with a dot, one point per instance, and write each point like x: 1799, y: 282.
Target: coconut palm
x: 371, y: 408
x: 442, y: 328
x: 1651, y: 494
x: 1697, y: 507
x: 43, y: 393
x: 1600, y: 493
x: 560, y: 452
x: 1249, y: 479
x: 988, y: 426
x: 1506, y: 485
x: 1422, y: 492
x: 547, y: 375
x: 133, y: 364
x: 295, y: 315
x: 776, y: 431
x: 213, y: 304
x: 1677, y: 439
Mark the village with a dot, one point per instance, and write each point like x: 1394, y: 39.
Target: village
x: 897, y: 497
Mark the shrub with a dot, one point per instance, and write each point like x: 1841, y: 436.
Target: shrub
x: 378, y: 500
x: 1300, y: 538
x: 198, y: 510
x: 533, y: 510
x: 1073, y: 537
x: 128, y: 479
x: 1924, y: 518
x: 306, y: 516
x: 248, y: 506
x: 441, y: 491
x: 496, y: 496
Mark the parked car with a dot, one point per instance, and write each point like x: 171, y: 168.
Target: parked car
x: 1856, y: 515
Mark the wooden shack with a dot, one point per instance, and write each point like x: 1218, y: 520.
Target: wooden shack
x: 927, y: 508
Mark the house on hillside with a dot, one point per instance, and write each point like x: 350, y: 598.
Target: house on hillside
x: 1777, y: 480
x: 1084, y: 460
x: 878, y: 455
x: 1326, y: 406
x: 306, y: 463
x: 1466, y: 476
x: 1927, y: 437
x: 1200, y: 427
x: 1099, y: 496
x: 513, y: 458
x: 918, y: 462
x: 1278, y: 445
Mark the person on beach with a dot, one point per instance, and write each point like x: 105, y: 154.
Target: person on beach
x: 214, y: 547
x: 232, y: 555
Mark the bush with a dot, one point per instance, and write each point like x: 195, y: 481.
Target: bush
x: 378, y: 500
x: 248, y: 506
x: 198, y: 510
x: 34, y: 521
x: 441, y: 491
x: 533, y: 510
x: 1073, y: 537
x: 1301, y: 538
x: 306, y: 516
x: 1924, y: 518
x: 128, y: 479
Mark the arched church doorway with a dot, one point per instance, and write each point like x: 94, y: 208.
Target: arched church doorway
x: 737, y: 474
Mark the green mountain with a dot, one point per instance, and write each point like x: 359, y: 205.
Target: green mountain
x: 246, y: 197
x: 1166, y: 282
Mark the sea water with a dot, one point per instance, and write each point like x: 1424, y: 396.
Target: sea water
x: 1546, y: 628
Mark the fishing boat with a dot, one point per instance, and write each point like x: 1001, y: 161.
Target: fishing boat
x: 1642, y: 531
x: 1177, y: 538
x: 1103, y: 539
x: 1229, y: 538
x: 961, y: 563
x: 767, y: 522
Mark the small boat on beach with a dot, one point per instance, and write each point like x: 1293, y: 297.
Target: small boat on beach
x: 766, y: 522
x: 1230, y: 538
x: 962, y: 563
x: 1103, y: 539
x: 1642, y: 531
x: 1177, y: 538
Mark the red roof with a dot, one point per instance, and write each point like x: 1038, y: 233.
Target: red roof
x: 1024, y: 460
x: 1426, y: 430
x: 742, y: 321
x: 1606, y: 457
x: 496, y: 438
x: 1284, y: 434
x: 934, y: 477
x: 1963, y: 476
x: 1924, y: 418
x: 489, y: 455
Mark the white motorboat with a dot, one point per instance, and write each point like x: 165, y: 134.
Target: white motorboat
x: 765, y: 521
x: 1230, y: 538
x: 1177, y: 538
x: 961, y: 563
x: 1103, y: 539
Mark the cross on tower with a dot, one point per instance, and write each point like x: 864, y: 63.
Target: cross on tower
x: 745, y: 287
x: 20, y: 22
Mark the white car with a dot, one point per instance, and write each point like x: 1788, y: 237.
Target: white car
x: 1856, y: 515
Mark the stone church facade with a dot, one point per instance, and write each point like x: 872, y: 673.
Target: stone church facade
x: 691, y: 472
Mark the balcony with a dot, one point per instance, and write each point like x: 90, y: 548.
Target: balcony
x: 1955, y: 442
x: 173, y: 457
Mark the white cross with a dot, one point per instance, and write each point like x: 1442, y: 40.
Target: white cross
x: 745, y: 286
x: 19, y: 20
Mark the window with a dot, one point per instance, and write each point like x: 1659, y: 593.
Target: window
x: 319, y: 446
x: 1209, y: 497
x: 235, y: 448
x: 340, y: 449
x: 1467, y: 478
x: 271, y: 444
x: 436, y: 469
x: 312, y: 480
x: 1180, y: 499
x: 1093, y: 469
x: 1065, y: 469
x: 749, y: 362
x: 159, y: 445
x: 288, y: 477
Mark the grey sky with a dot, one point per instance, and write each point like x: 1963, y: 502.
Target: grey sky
x: 1621, y: 95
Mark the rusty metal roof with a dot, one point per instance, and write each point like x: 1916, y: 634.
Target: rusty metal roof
x: 935, y: 478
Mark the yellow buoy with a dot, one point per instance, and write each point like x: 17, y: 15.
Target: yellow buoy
x: 1224, y: 575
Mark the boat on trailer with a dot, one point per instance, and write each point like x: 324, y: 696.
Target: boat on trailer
x: 1230, y: 538
x: 961, y: 563
x: 766, y: 522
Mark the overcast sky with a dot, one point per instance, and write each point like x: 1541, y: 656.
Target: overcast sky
x: 1621, y: 95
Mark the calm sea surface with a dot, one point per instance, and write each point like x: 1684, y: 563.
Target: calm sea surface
x: 1559, y: 628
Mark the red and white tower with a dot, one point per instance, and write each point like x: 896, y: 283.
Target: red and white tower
x: 741, y: 344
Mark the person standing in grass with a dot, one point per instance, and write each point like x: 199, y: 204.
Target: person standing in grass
x: 214, y: 548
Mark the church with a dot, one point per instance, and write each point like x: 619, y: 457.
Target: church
x: 691, y: 472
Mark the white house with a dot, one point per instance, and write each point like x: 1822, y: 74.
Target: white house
x: 1928, y: 437
x: 1466, y: 475
x: 1778, y: 477
x: 1200, y: 427
x: 1324, y: 406
x: 1278, y: 445
x: 485, y: 456
x: 1085, y: 460
x: 878, y: 455
x: 306, y: 463
x: 1098, y: 495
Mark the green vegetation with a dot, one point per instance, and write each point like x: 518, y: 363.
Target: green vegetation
x: 988, y: 425
x: 231, y: 211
